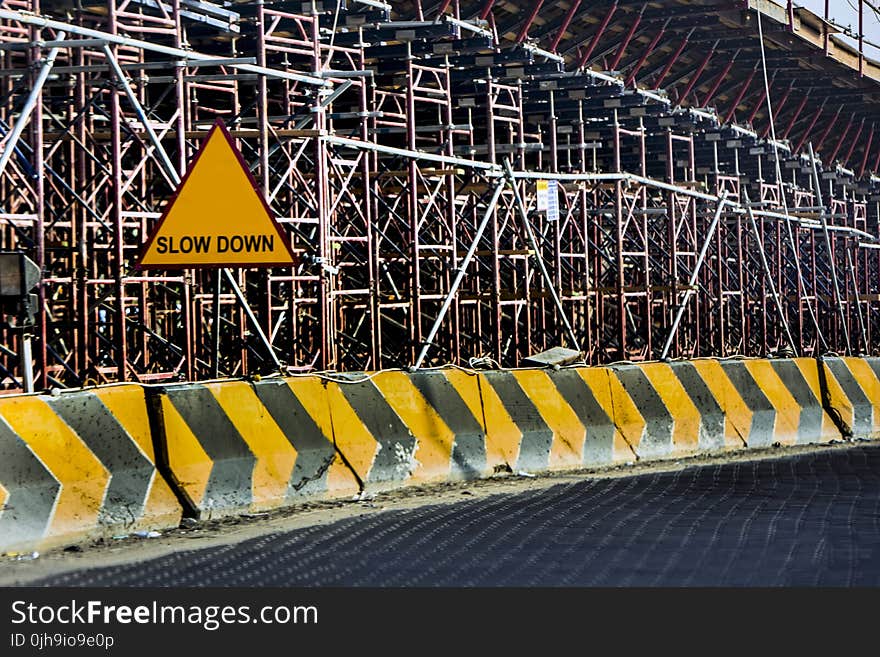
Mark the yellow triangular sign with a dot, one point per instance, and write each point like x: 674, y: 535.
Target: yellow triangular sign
x: 217, y: 217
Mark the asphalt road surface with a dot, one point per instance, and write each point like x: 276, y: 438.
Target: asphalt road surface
x: 811, y: 519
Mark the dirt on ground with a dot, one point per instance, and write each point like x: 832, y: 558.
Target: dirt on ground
x: 25, y: 568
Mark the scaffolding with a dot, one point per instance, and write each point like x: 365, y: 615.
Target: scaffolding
x: 400, y: 149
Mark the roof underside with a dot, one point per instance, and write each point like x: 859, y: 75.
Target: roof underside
x: 814, y: 75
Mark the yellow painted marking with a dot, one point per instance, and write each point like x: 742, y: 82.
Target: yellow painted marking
x: 311, y: 394
x: 434, y: 439
x: 468, y: 388
x: 351, y: 437
x: 341, y: 481
x: 788, y: 411
x: 129, y: 407
x: 598, y: 380
x: 686, y: 417
x: 627, y: 417
x: 82, y: 476
x: 274, y: 454
x: 737, y: 415
x: 568, y: 431
x: 809, y: 368
x: 869, y: 384
x: 162, y: 508
x: 839, y: 399
x: 503, y: 436
x: 189, y: 462
x: 4, y: 495
x: 217, y: 216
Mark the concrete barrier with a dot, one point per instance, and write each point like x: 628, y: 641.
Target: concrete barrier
x: 538, y: 420
x: 853, y: 386
x: 714, y: 400
x: 446, y: 425
x: 83, y: 463
x: 77, y: 466
x: 564, y: 418
x: 784, y: 399
x: 235, y: 447
x: 587, y: 392
x: 299, y: 407
x: 656, y: 411
x: 802, y: 380
x: 387, y: 432
x: 454, y: 395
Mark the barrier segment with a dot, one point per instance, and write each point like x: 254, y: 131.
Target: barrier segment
x: 454, y: 395
x: 668, y: 410
x: 714, y: 394
x: 515, y: 429
x: 804, y: 383
x: 715, y: 402
x: 82, y: 464
x: 854, y: 393
x: 594, y: 439
x: 393, y: 427
x: 79, y: 466
x: 396, y: 428
x: 127, y: 404
x: 299, y: 406
x: 784, y: 397
x: 236, y: 447
x: 605, y: 442
x: 541, y: 419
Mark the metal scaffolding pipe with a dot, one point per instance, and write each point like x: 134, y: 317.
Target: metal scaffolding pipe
x: 524, y: 217
x: 123, y: 81
x: 40, y: 21
x: 837, y: 296
x: 722, y: 202
x: 31, y: 102
x: 769, y: 276
x: 462, y: 269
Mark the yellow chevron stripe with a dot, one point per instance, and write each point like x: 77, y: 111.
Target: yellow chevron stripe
x: 868, y: 382
x: 312, y: 395
x: 190, y: 463
x: 83, y: 478
x: 568, y: 431
x: 686, y: 417
x: 274, y: 454
x: 788, y: 411
x: 737, y: 415
x: 839, y: 399
x: 599, y: 379
x: 351, y: 437
x: 162, y: 507
x: 468, y: 388
x: 627, y: 417
x: 128, y: 406
x: 503, y: 436
x: 434, y: 439
x: 809, y: 368
x: 340, y: 479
